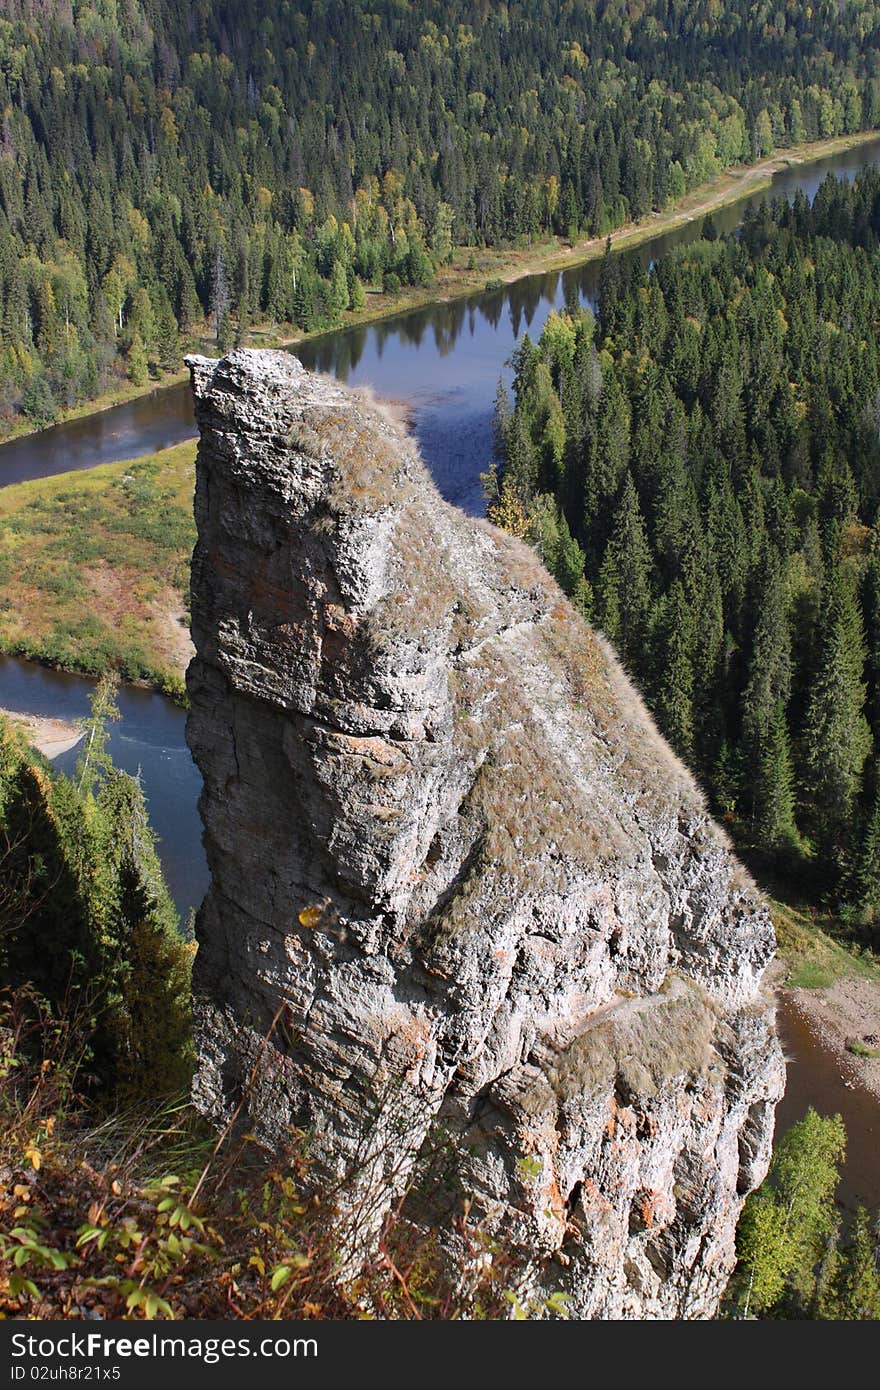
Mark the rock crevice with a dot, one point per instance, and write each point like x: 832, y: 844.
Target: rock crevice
x: 448, y: 843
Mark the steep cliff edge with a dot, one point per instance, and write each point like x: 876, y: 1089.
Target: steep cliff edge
x: 451, y: 854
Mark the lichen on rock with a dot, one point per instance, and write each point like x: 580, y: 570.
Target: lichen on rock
x: 451, y: 854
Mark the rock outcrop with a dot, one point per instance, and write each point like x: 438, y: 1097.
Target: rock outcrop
x: 455, y: 863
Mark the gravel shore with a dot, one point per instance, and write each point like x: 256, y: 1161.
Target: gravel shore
x: 845, y: 1012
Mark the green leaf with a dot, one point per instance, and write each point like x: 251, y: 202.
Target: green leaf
x: 280, y: 1275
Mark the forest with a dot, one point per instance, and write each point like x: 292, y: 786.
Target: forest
x: 161, y: 163
x: 700, y: 467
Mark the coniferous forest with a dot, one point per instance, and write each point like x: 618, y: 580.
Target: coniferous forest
x: 700, y: 467
x: 697, y: 462
x: 163, y: 162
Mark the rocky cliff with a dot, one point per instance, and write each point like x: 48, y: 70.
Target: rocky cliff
x: 454, y: 861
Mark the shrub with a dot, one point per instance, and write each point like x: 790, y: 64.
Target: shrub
x: 85, y: 917
x: 141, y: 1214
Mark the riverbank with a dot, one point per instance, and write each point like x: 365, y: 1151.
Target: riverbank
x: 472, y: 268
x: 458, y: 280
x: 835, y: 991
x: 845, y: 1018
x: 94, y: 568
x: 51, y: 737
x: 120, y: 393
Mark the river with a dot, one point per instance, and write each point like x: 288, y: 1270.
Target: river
x: 149, y: 741
x: 444, y: 360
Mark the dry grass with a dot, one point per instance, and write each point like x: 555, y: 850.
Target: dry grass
x: 640, y: 1048
x: 422, y: 594
x: 364, y: 446
x: 95, y: 568
x: 143, y: 1215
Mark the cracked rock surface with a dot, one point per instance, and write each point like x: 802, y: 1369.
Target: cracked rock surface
x: 454, y: 860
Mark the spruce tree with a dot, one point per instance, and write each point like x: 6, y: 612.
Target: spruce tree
x: 672, y: 669
x: 623, y: 592
x: 501, y: 417
x: 863, y: 886
x: 854, y: 1291
x: 766, y: 743
x: 836, y: 737
x: 167, y: 339
x: 338, y: 295
x: 138, y: 365
x: 773, y: 822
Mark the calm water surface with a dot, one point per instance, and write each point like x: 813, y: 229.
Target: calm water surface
x: 444, y: 359
x: 148, y: 741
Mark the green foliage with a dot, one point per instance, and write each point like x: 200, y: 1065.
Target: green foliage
x: 853, y: 1289
x: 85, y: 917
x: 138, y: 362
x: 143, y: 1213
x: 793, y: 1260
x: 97, y: 568
x: 711, y: 445
x: 293, y: 150
x: 790, y: 1225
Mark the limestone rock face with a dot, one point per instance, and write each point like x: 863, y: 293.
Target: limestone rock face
x: 455, y: 863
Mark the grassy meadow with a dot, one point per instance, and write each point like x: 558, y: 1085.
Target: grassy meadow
x: 94, y: 568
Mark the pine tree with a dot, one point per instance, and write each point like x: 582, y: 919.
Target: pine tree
x: 94, y: 762
x: 854, y: 1293
x: 167, y: 340
x: 568, y: 568
x: 521, y: 470
x: 224, y: 335
x: 672, y: 668
x: 45, y: 936
x: 623, y: 593
x: 337, y: 298
x: 501, y: 417
x: 836, y: 737
x: 149, y: 1020
x: 766, y: 744
x: 220, y: 297
x: 85, y: 917
x: 304, y: 301
x: 773, y: 787
x: 863, y: 887
x: 544, y: 529
x: 138, y: 365
x: 607, y: 597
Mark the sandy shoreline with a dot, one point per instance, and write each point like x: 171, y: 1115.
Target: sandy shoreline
x: 846, y: 1011
x: 51, y: 737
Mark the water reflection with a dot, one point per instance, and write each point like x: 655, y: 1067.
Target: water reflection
x: 444, y: 359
